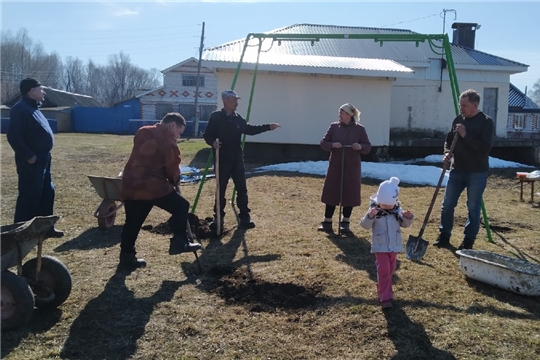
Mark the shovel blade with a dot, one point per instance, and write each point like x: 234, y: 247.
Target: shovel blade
x: 416, y: 248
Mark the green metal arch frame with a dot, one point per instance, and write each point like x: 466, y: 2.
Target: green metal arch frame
x: 381, y: 38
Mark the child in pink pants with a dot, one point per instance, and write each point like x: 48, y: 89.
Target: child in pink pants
x: 385, y: 218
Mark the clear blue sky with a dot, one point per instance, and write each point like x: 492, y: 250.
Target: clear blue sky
x: 159, y: 34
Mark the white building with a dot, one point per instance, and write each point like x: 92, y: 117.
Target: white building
x: 401, y: 88
x: 178, y: 93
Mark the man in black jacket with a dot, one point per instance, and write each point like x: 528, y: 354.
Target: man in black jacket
x: 469, y: 170
x: 32, y: 139
x: 228, y: 126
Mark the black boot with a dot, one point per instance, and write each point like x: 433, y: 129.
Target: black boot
x: 467, y: 243
x: 245, y: 221
x: 344, y: 227
x: 442, y: 241
x: 54, y: 233
x: 180, y: 244
x: 325, y: 226
x: 129, y: 261
x: 214, y: 225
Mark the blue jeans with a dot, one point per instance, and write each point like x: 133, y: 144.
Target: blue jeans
x: 475, y: 183
x: 36, y: 189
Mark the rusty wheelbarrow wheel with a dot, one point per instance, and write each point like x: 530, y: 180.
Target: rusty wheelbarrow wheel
x: 53, y: 276
x: 106, y: 214
x: 17, y: 301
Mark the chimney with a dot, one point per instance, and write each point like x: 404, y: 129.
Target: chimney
x: 464, y: 34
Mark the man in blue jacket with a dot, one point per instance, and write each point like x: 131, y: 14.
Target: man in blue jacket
x: 32, y: 139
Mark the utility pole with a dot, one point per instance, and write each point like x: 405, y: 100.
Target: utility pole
x: 197, y: 112
x: 443, y: 62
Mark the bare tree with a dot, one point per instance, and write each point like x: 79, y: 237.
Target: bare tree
x: 75, y: 77
x: 15, y: 61
x: 108, y: 84
x: 535, y: 93
x: 21, y: 58
x: 123, y: 79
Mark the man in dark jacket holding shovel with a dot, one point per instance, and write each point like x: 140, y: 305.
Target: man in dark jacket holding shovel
x: 469, y: 169
x: 228, y: 126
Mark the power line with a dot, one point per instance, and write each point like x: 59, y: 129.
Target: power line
x: 407, y: 21
x: 116, y: 41
x: 131, y: 51
x: 158, y: 36
x: 116, y: 30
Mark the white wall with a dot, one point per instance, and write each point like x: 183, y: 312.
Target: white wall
x: 434, y: 110
x: 305, y: 105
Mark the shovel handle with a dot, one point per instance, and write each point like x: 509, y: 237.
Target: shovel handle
x: 218, y: 194
x: 443, y: 171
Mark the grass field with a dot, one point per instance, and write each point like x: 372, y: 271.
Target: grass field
x: 279, y: 291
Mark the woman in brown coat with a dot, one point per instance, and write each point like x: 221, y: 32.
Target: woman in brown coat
x: 347, y: 138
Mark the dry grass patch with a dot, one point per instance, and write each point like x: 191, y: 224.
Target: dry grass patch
x: 281, y: 290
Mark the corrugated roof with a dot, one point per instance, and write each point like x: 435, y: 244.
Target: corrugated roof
x: 56, y: 98
x: 518, y: 99
x: 324, y: 64
x: 406, y: 53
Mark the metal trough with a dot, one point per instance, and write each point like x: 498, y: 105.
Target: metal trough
x: 516, y: 275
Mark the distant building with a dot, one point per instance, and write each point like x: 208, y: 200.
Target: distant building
x: 56, y: 107
x: 523, y: 116
x: 178, y: 94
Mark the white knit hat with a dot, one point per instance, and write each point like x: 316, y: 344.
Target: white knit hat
x: 388, y: 192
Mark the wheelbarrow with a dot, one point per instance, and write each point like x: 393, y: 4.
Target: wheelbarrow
x: 42, y: 282
x: 108, y: 188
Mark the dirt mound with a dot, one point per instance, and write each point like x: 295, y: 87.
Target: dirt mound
x: 265, y: 296
x: 199, y: 228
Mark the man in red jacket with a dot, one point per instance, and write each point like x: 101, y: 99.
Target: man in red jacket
x: 149, y: 179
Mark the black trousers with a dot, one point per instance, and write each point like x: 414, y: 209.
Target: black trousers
x: 329, y: 211
x: 138, y: 210
x: 36, y: 189
x: 235, y: 169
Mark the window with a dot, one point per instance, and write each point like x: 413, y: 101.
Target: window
x: 206, y: 111
x: 191, y: 80
x: 162, y: 110
x: 519, y: 121
x: 536, y: 122
x: 187, y: 111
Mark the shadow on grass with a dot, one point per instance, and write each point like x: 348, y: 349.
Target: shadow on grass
x: 516, y: 251
x: 356, y: 252
x: 41, y: 322
x: 531, y: 304
x: 410, y: 339
x: 93, y: 239
x: 200, y: 159
x: 114, y: 321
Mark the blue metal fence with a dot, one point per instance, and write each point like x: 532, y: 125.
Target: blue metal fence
x: 4, y: 126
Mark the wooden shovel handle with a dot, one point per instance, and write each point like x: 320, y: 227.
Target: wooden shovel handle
x: 443, y: 172
x: 218, y: 202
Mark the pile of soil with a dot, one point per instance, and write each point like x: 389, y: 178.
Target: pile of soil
x: 199, y: 228
x: 263, y: 296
